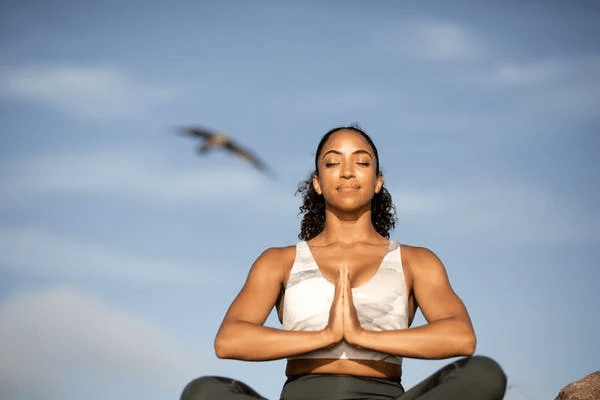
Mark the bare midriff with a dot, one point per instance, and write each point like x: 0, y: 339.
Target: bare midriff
x: 375, y: 369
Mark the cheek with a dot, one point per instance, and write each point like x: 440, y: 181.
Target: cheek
x: 370, y: 176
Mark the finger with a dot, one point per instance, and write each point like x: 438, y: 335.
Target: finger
x: 347, y: 284
x: 337, y: 292
x: 344, y: 279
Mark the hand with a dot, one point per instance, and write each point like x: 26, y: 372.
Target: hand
x: 351, y: 323
x: 335, y: 326
x: 343, y: 320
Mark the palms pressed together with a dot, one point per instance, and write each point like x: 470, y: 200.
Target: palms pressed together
x: 343, y: 319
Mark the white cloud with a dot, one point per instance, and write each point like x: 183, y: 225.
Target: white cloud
x: 435, y: 41
x: 552, y: 71
x: 564, y: 100
x: 561, y: 87
x: 51, y: 337
x: 515, y: 74
x: 137, y: 174
x: 557, y: 87
x: 38, y: 253
x: 507, y: 213
x: 538, y: 72
x: 81, y: 91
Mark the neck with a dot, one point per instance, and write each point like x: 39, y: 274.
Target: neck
x: 348, y: 228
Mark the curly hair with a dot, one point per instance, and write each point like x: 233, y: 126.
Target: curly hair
x: 383, y: 211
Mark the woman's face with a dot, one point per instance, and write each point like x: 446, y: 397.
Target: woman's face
x: 347, y: 176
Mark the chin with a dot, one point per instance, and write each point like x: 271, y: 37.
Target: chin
x: 352, y: 208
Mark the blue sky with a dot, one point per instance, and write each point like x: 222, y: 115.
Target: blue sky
x: 120, y: 248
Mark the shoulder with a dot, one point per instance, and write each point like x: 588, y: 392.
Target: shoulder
x: 420, y: 262
x: 275, y: 260
x: 417, y: 256
x: 278, y: 254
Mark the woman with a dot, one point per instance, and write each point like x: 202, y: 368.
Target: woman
x: 346, y: 296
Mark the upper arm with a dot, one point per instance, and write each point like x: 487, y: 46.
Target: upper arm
x: 432, y: 290
x: 262, y: 287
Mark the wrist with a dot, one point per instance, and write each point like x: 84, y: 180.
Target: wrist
x: 328, y: 337
x: 356, y: 336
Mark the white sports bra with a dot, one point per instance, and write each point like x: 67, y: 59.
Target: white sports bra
x: 381, y: 303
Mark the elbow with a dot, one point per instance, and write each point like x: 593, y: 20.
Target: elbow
x: 231, y: 343
x: 469, y: 344
x: 222, y: 348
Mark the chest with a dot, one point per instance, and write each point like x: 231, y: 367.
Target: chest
x: 362, y: 262
x: 379, y: 292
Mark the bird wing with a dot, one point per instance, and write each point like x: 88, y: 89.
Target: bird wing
x: 213, y: 139
x: 234, y: 148
x: 199, y: 132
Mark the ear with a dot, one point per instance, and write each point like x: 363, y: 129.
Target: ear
x: 316, y: 184
x: 379, y: 183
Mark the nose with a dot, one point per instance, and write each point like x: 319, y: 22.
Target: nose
x: 347, y: 170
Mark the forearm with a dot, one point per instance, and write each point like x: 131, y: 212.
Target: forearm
x: 445, y: 338
x: 250, y: 342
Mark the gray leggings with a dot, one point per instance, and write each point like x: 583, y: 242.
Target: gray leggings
x: 470, y: 378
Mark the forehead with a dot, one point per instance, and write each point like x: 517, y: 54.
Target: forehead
x: 346, y: 139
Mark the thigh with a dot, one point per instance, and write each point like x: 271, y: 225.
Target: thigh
x: 218, y: 388
x: 470, y: 378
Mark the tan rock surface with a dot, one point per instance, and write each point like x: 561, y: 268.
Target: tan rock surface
x: 587, y: 388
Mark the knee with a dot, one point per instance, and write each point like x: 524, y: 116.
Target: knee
x: 217, y: 388
x: 488, y: 374
x: 199, y: 388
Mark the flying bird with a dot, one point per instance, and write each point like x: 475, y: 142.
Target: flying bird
x: 212, y: 140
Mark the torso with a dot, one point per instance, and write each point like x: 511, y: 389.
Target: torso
x: 375, y: 369
x: 363, y: 262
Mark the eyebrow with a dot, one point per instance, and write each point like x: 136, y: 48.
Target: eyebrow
x: 340, y: 153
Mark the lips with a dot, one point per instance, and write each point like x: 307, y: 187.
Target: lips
x: 347, y: 187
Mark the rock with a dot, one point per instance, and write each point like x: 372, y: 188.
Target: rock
x: 587, y: 388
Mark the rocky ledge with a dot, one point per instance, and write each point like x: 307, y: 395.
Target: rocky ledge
x: 587, y: 388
